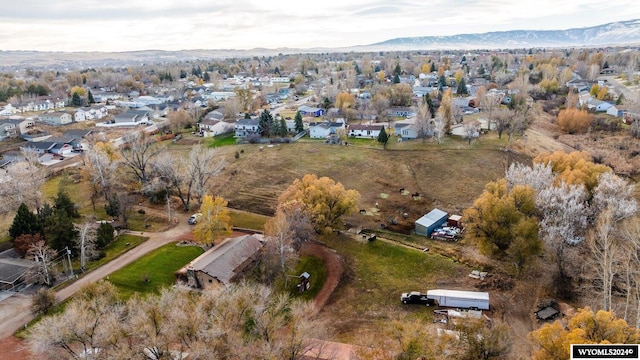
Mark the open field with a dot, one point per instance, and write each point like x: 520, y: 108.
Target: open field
x: 154, y: 270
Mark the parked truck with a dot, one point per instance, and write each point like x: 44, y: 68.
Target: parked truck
x: 474, y: 300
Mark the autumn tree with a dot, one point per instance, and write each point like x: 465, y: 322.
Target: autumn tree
x: 553, y: 340
x: 344, y: 100
x: 446, y: 110
x: 502, y: 223
x: 575, y: 168
x: 381, y: 106
x: 400, y: 95
x: 214, y: 222
x: 324, y: 200
x: 573, y: 120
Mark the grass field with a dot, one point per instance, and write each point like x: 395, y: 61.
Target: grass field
x: 377, y: 273
x: 154, y: 270
x: 222, y: 140
x: 247, y: 220
x: 315, y: 267
x: 117, y: 247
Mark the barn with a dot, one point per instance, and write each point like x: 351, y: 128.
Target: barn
x: 429, y: 222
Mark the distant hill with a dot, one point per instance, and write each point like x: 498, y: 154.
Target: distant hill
x: 615, y: 33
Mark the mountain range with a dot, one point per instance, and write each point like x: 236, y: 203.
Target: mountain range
x: 615, y: 33
x: 621, y: 33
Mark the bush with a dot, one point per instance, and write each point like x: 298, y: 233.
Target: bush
x: 43, y: 301
x: 157, y: 197
x: 573, y: 120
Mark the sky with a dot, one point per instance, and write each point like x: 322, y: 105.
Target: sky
x: 126, y: 25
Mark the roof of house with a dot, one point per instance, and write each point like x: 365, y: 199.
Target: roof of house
x: 366, y: 127
x: 432, y: 217
x: 309, y: 109
x: 224, y: 261
x: 249, y: 122
x: 76, y: 133
x: 40, y: 145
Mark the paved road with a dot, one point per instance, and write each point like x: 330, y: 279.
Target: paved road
x: 15, y: 313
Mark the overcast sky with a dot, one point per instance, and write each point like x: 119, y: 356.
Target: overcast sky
x: 123, y: 25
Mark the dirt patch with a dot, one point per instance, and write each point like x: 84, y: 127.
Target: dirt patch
x: 14, y: 349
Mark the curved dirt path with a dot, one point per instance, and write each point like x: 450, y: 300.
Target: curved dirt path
x: 21, y: 315
x: 334, y: 270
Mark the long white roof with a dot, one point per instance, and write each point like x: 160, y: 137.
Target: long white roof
x: 459, y: 294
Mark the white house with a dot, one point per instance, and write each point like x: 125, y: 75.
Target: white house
x: 246, y: 127
x: 211, y: 127
x: 405, y: 131
x: 365, y: 131
x: 598, y: 105
x: 80, y: 115
x: 56, y: 118
x: 132, y: 117
x: 320, y: 130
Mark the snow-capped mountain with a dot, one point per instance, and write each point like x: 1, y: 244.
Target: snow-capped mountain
x: 616, y: 33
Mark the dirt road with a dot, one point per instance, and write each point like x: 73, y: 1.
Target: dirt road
x: 14, y: 312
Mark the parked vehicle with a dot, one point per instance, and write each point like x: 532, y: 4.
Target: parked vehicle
x: 193, y: 219
x: 473, y: 300
x: 416, y: 297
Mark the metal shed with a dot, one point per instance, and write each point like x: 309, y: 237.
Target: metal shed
x: 429, y: 222
x: 460, y: 299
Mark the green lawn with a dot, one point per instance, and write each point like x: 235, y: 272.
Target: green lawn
x: 222, y: 140
x: 117, y: 247
x: 315, y: 267
x: 153, y: 271
x: 247, y: 220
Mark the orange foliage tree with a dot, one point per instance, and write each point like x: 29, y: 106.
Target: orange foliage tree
x: 573, y: 120
x: 322, y: 199
x: 585, y: 327
x: 574, y: 168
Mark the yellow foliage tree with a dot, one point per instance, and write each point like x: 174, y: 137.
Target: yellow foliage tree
x: 594, y: 89
x: 602, y: 93
x: 344, y: 100
x: 574, y: 168
x: 573, y: 120
x: 214, y: 222
x: 323, y: 199
x: 78, y: 89
x: 446, y: 109
x: 585, y: 327
x: 458, y: 76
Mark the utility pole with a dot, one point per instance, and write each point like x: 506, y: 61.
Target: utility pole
x: 69, y: 258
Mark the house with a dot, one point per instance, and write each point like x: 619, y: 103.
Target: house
x: 311, y: 111
x: 7, y: 130
x: 60, y: 148
x: 598, y: 105
x: 39, y: 147
x: 401, y: 112
x: 320, y: 130
x: 22, y: 125
x: 222, y: 264
x: 132, y: 117
x: 56, y: 118
x: 365, y: 131
x: 429, y: 222
x: 406, y: 131
x: 80, y: 115
x: 246, y: 127
x: 212, y: 127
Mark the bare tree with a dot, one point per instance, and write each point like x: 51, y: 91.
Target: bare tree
x: 137, y: 154
x: 172, y: 171
x: 86, y: 243
x: 279, y: 251
x: 502, y: 118
x: 21, y: 183
x: 439, y: 128
x: 204, y: 164
x: 539, y: 177
x: 605, y: 250
x: 423, y: 126
x: 631, y: 261
x: 101, y: 169
x: 44, y: 256
x: 616, y: 193
x: 471, y: 130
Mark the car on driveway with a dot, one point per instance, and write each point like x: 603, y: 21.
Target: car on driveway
x: 193, y: 219
x: 416, y: 297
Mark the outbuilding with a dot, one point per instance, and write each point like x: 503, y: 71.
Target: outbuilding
x: 429, y: 222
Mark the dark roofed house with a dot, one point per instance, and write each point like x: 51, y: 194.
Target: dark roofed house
x: 221, y: 265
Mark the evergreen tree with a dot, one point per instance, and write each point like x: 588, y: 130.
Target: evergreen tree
x: 112, y: 207
x: 76, y: 100
x: 91, y: 99
x: 396, y: 79
x: 462, y: 87
x: 298, y: 122
x: 357, y: 69
x: 397, y: 70
x: 282, y: 129
x: 606, y: 65
x: 247, y: 116
x: 433, y: 67
x: 104, y: 235
x: 376, y: 69
x: 383, y: 137
x: 183, y: 74
x: 60, y: 232
x: 432, y: 109
x: 442, y: 81
x: 64, y: 203
x: 25, y: 222
x: 265, y: 125
x: 481, y: 70
x: 206, y: 76
x: 276, y: 71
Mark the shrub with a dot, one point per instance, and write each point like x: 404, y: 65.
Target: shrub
x: 573, y: 121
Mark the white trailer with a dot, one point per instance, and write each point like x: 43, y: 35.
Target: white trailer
x: 460, y: 299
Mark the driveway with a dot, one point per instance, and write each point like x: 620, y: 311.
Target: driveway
x: 14, y: 311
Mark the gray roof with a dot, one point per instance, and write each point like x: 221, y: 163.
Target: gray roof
x: 226, y: 260
x: 76, y: 133
x: 13, y: 269
x: 248, y: 122
x: 432, y: 217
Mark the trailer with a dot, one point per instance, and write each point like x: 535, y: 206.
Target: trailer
x: 460, y: 299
